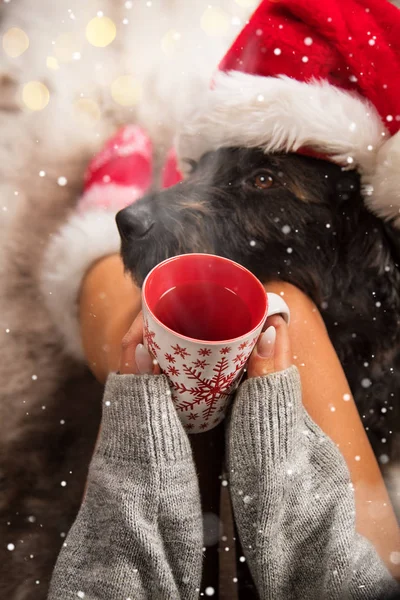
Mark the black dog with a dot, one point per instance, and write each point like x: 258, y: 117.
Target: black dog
x: 304, y: 221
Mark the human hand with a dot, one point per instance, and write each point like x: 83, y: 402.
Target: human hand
x: 135, y: 359
x: 272, y: 352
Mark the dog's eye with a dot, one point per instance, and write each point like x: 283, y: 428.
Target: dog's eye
x: 261, y: 180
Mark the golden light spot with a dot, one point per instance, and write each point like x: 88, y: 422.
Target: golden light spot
x: 101, y: 31
x: 87, y: 111
x: 66, y: 45
x: 170, y: 41
x: 215, y: 21
x: 15, y: 42
x: 52, y: 63
x: 126, y: 90
x: 247, y: 3
x: 35, y: 95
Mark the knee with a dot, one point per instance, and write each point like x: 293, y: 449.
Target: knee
x: 304, y: 314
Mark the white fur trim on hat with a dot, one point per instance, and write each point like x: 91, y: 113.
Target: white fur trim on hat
x: 280, y: 114
x: 80, y: 242
x: 382, y: 185
x: 109, y: 196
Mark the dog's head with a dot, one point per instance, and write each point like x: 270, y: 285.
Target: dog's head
x: 281, y: 216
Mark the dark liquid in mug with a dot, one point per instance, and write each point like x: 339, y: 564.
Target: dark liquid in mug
x: 205, y: 311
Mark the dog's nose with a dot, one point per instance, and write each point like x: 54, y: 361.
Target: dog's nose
x: 134, y: 222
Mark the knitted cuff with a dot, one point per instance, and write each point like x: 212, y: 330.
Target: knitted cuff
x: 140, y: 421
x: 266, y: 417
x: 82, y: 240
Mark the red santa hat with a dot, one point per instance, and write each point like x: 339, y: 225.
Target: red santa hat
x: 313, y: 77
x: 120, y: 174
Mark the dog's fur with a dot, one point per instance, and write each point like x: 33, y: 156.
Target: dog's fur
x: 310, y: 228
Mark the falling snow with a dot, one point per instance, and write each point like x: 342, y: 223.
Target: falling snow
x: 62, y: 181
x: 10, y: 547
x: 366, y: 383
x: 209, y: 591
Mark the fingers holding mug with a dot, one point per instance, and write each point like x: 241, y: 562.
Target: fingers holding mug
x: 272, y: 352
x: 135, y: 359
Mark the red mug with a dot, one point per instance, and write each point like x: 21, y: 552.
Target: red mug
x: 202, y: 316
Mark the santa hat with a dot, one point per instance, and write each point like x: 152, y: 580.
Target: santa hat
x: 318, y: 77
x: 120, y: 174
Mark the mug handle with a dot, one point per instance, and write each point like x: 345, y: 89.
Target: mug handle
x: 277, y: 306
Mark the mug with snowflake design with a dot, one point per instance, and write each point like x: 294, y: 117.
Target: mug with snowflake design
x: 203, y: 315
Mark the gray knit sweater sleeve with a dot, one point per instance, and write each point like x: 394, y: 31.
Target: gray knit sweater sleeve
x: 293, y: 500
x: 138, y: 534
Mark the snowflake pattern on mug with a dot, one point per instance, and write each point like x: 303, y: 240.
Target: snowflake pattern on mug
x: 202, y: 380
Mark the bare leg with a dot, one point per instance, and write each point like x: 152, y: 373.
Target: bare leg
x: 109, y: 303
x: 324, y: 387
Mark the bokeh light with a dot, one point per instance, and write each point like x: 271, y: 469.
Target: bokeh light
x: 170, y: 41
x: 65, y: 46
x: 35, y: 95
x: 126, y: 90
x: 215, y: 21
x: 101, y: 31
x: 52, y: 63
x: 87, y: 111
x: 15, y: 42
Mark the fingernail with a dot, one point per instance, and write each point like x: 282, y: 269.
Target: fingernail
x: 143, y: 360
x: 266, y: 343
